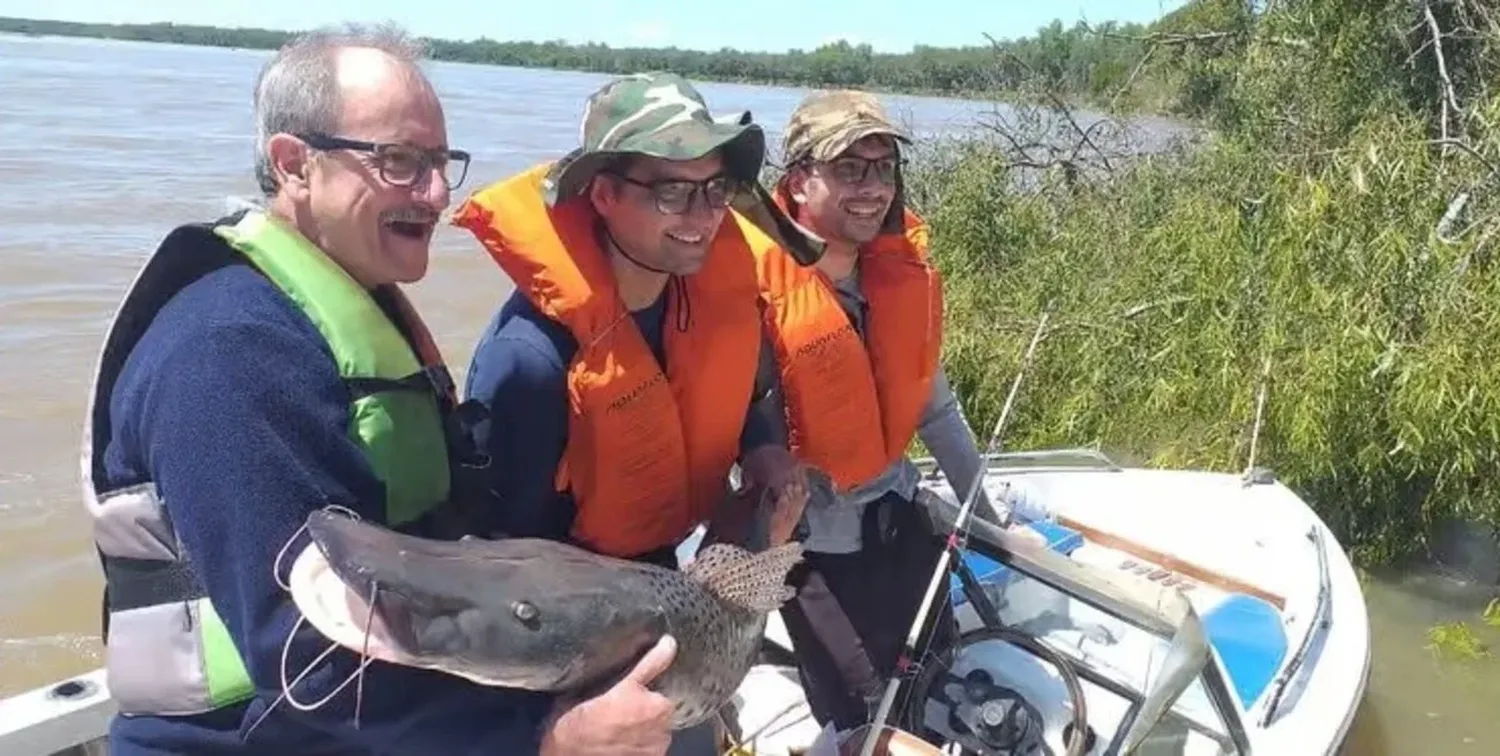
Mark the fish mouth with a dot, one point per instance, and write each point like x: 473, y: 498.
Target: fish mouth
x: 360, y: 553
x: 373, y: 564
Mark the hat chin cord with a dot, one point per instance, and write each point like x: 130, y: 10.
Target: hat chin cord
x: 618, y: 247
x: 684, y: 311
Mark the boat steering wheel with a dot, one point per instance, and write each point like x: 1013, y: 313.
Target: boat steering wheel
x: 988, y: 718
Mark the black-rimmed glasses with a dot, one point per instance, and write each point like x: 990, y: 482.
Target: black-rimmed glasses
x: 400, y: 164
x: 852, y: 170
x: 675, y: 196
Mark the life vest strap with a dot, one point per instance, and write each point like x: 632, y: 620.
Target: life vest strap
x: 136, y: 583
x: 433, y: 379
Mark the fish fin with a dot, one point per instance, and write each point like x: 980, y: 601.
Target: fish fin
x: 754, y: 581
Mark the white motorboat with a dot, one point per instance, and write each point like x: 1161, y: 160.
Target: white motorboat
x: 1172, y: 612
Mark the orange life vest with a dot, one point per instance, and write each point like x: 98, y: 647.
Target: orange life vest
x: 648, y: 454
x: 852, y: 410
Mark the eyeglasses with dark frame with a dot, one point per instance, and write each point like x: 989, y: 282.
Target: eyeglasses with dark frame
x: 675, y: 196
x: 399, y: 164
x: 853, y: 170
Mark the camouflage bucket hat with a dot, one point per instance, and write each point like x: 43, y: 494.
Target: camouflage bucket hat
x: 655, y: 115
x: 827, y: 123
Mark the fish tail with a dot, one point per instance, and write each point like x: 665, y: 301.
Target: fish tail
x: 751, y: 580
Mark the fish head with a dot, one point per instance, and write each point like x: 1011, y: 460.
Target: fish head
x: 524, y: 613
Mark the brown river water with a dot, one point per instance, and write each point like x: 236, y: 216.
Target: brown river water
x: 104, y: 146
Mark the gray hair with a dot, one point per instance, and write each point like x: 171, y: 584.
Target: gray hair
x: 298, y: 90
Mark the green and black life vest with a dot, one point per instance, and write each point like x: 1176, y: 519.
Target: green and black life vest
x: 167, y: 650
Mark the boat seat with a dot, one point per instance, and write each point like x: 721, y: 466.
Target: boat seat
x: 1250, y: 640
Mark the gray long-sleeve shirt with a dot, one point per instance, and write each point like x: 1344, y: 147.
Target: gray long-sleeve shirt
x: 834, y: 527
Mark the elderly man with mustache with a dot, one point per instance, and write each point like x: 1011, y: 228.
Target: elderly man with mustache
x: 263, y: 366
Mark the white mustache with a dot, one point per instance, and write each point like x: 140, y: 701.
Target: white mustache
x: 410, y: 215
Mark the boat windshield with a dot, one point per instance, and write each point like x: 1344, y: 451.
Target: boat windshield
x: 1139, y: 648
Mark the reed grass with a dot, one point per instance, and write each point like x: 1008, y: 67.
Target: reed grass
x: 1173, y: 282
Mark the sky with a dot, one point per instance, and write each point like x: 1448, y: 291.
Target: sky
x: 777, y: 25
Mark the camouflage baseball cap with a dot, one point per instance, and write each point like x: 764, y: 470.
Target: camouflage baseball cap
x: 827, y: 123
x: 656, y: 115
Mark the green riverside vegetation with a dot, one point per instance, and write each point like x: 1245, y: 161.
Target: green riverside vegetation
x: 1338, y: 225
x: 1332, y: 232
x: 1083, y: 63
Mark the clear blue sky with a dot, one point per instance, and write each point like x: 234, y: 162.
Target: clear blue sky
x: 887, y: 25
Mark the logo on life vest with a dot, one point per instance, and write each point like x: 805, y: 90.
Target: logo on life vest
x: 637, y: 392
x: 823, y: 342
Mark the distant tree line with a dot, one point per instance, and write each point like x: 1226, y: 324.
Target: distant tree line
x: 208, y: 36
x: 1078, y: 61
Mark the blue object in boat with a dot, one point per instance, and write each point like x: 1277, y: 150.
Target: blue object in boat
x: 1247, y: 634
x: 1062, y: 539
x: 990, y: 572
x: 1245, y: 631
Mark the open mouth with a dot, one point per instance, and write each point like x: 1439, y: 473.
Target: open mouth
x: 410, y: 229
x: 686, y: 237
x: 414, y: 223
x: 863, y: 210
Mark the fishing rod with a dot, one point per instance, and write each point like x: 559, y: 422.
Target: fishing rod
x: 960, y: 525
x: 1260, y: 406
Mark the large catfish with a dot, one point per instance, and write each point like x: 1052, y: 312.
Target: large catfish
x: 539, y: 614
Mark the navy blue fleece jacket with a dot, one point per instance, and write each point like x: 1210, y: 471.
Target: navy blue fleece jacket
x: 232, y: 404
x: 519, y: 372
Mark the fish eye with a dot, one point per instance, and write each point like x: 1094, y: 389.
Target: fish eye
x: 524, y: 611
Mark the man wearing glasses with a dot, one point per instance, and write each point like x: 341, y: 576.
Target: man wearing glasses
x: 264, y: 366
x: 856, y: 343
x: 620, y: 373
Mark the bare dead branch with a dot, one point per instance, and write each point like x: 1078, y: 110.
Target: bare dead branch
x: 1450, y: 216
x: 1139, y: 66
x: 1084, y: 135
x: 1024, y: 151
x: 1466, y: 147
x: 1156, y: 39
x: 1088, y: 139
x: 1171, y: 38
x: 1449, y: 97
x: 1057, y: 103
x: 1418, y: 52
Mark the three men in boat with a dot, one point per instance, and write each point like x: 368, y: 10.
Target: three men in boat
x: 266, y: 364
